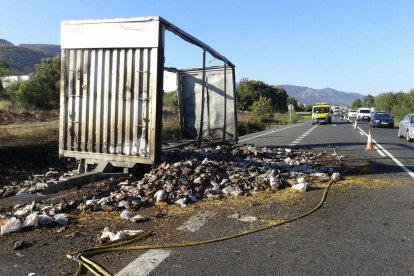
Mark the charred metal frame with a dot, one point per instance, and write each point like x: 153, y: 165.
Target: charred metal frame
x: 111, y: 93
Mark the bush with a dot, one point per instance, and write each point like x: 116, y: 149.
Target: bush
x: 170, y: 101
x: 262, y: 109
x: 41, y: 91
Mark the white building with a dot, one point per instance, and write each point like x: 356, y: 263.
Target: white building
x: 10, y: 79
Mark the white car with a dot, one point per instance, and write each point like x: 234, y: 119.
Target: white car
x: 352, y: 113
x: 364, y: 113
x: 336, y: 110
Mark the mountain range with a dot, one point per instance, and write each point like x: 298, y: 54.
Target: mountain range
x: 310, y: 96
x: 22, y: 59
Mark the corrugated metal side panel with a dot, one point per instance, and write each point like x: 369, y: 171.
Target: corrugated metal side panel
x: 219, y: 118
x: 106, y: 102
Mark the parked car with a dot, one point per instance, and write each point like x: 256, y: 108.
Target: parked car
x: 352, y: 113
x: 364, y: 113
x: 382, y: 119
x: 406, y: 127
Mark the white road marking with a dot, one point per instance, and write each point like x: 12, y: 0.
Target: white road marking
x: 362, y: 133
x: 196, y: 221
x: 144, y: 264
x: 297, y: 141
x: 147, y: 262
x: 410, y: 173
x: 379, y: 151
x: 272, y: 131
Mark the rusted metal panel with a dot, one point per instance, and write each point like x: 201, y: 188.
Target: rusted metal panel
x: 106, y: 101
x: 63, y: 104
x: 113, y: 95
x: 85, y: 86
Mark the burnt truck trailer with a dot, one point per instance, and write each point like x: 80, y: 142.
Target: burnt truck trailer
x: 111, y: 97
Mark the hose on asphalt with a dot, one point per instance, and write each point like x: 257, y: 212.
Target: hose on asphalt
x: 83, y: 257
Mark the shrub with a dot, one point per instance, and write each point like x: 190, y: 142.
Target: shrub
x: 262, y: 109
x: 170, y: 101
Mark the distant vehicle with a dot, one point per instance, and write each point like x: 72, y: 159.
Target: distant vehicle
x: 321, y: 113
x: 352, y: 113
x: 364, y: 113
x: 382, y: 119
x: 406, y: 127
x: 336, y: 110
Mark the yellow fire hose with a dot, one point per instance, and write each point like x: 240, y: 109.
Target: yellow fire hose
x: 84, y: 261
x: 82, y: 257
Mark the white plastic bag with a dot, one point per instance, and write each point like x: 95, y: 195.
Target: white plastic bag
x: 106, y: 235
x: 31, y: 220
x: 126, y: 214
x: 300, y: 186
x: 62, y: 219
x: 12, y: 225
x: 44, y: 219
x: 159, y: 195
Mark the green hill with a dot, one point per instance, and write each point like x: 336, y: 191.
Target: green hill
x: 49, y: 49
x: 23, y: 59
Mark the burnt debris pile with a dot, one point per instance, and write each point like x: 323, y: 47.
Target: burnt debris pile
x: 185, y: 176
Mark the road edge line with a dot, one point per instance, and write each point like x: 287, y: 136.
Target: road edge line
x: 401, y: 165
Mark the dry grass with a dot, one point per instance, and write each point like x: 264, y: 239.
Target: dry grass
x: 29, y: 133
x: 5, y: 106
x: 171, y: 129
x: 248, y: 124
x: 368, y: 182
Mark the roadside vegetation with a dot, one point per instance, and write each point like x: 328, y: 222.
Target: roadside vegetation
x: 40, y: 92
x: 398, y: 104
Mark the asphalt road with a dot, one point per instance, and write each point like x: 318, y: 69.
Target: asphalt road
x: 358, y: 232
x: 361, y: 229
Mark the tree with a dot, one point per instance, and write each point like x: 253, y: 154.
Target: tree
x: 4, y: 70
x: 262, y: 109
x: 249, y: 91
x: 41, y: 91
x: 403, y: 104
x: 385, y: 101
x: 357, y: 103
x: 369, y: 100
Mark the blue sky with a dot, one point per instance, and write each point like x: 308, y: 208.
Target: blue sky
x: 364, y: 46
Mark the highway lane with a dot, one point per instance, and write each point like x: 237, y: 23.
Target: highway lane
x: 278, y: 137
x: 401, y: 151
x: 359, y: 232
